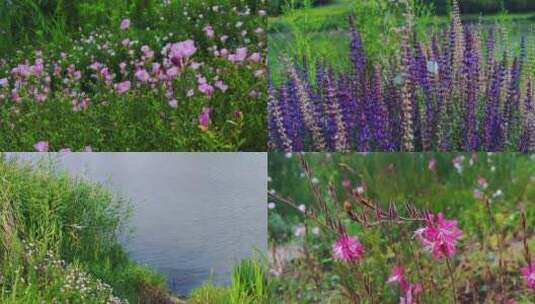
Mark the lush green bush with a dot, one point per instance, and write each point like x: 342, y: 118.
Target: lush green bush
x: 58, y: 240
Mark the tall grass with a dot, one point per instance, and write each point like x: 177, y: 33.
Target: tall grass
x: 249, y: 285
x: 58, y: 237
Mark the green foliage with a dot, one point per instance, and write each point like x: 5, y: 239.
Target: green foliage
x: 277, y: 7
x: 249, y: 285
x: 55, y: 230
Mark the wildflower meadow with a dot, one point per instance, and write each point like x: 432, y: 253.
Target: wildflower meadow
x: 421, y: 84
x: 132, y: 75
x: 402, y: 228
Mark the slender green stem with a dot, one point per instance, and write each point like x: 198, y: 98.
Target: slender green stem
x: 452, y: 277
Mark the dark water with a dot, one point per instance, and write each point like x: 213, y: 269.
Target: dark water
x: 195, y: 214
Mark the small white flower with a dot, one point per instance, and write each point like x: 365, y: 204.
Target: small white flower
x: 271, y: 205
x: 498, y: 193
x: 316, y: 231
x: 302, y: 208
x: 315, y: 180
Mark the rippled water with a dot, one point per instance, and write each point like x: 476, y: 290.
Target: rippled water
x: 195, y: 214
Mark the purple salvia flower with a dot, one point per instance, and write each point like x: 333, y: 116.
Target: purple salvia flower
x: 336, y: 118
x: 470, y: 73
x: 276, y: 114
x: 294, y: 122
x: 306, y: 108
x: 381, y: 112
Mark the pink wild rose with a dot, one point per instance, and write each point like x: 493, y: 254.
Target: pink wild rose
x: 122, y: 87
x: 439, y: 236
x: 347, y: 248
x: 204, y: 118
x: 125, y: 24
x: 142, y: 75
x: 181, y: 50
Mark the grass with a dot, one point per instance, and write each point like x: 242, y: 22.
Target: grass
x: 58, y: 241
x: 321, y: 33
x: 249, y: 285
x: 492, y: 231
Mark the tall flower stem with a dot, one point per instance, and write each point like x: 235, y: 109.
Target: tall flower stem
x: 452, y: 277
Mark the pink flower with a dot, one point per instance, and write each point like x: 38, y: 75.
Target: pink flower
x: 173, y: 103
x: 411, y: 294
x: 190, y: 92
x: 125, y: 24
x: 122, y: 87
x: 432, y: 165
x: 220, y: 85
x: 4, y: 82
x: 125, y: 42
x: 238, y: 114
x: 142, y: 75
x: 255, y: 57
x: 439, y: 236
x: 529, y: 275
x: 346, y: 183
x: 482, y: 182
x: 398, y: 276
x: 209, y: 31
x: 172, y: 72
x: 41, y: 146
x: 206, y: 89
x: 240, y: 55
x: 204, y: 118
x: 347, y: 248
x: 181, y: 50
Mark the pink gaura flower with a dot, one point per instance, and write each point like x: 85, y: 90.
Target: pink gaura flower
x: 41, y: 146
x: 142, y: 75
x: 125, y: 24
x: 439, y: 236
x: 398, y: 276
x: 482, y: 182
x: 347, y: 248
x: 125, y: 42
x: 204, y: 118
x: 346, y: 183
x: 529, y: 275
x: 190, y: 92
x: 411, y: 295
x: 123, y: 87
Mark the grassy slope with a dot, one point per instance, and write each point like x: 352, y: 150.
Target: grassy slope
x: 54, y: 228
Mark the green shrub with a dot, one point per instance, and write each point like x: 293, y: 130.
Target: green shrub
x: 208, y: 294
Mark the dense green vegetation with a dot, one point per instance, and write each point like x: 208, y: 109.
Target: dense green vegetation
x: 486, y: 193
x: 58, y: 241
x: 144, y: 75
